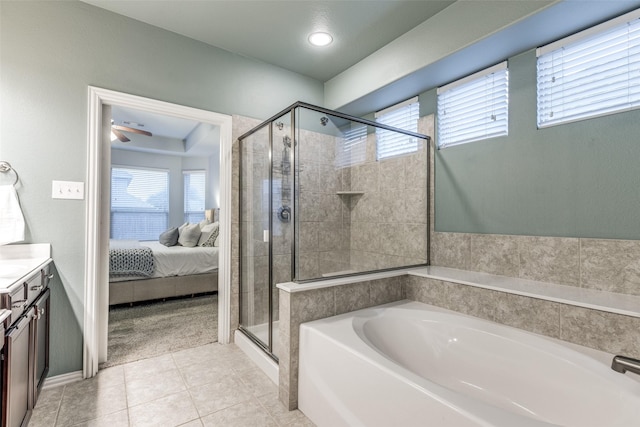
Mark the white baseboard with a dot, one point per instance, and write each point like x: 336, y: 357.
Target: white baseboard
x: 64, y: 379
x: 259, y: 357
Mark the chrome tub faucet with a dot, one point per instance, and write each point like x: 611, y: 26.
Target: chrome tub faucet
x: 623, y: 364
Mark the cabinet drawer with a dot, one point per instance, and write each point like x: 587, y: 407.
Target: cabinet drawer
x: 34, y: 287
x: 16, y: 301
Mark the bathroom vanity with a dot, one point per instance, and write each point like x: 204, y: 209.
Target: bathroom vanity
x: 25, y: 272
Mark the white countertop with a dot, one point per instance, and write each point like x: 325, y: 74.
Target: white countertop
x: 19, y: 261
x: 4, y: 315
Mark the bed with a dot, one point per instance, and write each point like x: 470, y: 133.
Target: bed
x: 149, y: 270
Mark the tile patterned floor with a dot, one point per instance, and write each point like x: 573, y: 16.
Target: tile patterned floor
x: 212, y: 385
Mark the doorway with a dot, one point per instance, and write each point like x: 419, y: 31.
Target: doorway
x: 97, y: 211
x: 162, y: 290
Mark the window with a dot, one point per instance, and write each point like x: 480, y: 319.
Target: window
x: 194, y: 189
x: 351, y: 148
x: 590, y: 74
x: 403, y: 116
x: 139, y: 203
x: 475, y: 107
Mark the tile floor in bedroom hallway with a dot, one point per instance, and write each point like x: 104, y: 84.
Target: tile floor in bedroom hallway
x: 212, y: 385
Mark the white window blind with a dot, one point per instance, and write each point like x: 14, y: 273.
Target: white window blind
x: 403, y: 116
x: 139, y: 203
x: 194, y: 195
x: 590, y: 74
x: 351, y: 147
x: 474, y: 108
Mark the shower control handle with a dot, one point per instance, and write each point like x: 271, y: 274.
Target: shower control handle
x: 284, y: 214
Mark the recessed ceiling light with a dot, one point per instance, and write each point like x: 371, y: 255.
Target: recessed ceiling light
x: 320, y: 39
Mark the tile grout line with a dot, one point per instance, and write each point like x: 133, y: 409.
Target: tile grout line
x: 55, y: 421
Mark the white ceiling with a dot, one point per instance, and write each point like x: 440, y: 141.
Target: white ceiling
x: 173, y: 136
x: 276, y: 31
x: 168, y: 127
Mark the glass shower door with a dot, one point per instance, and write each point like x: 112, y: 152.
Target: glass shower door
x: 255, y: 232
x: 266, y: 215
x: 283, y: 145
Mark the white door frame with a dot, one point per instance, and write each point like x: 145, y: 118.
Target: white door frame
x: 96, y: 218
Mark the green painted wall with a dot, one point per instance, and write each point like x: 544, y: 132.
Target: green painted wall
x: 576, y: 180
x: 50, y: 52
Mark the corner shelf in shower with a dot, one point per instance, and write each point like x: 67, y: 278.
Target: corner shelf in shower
x: 349, y: 193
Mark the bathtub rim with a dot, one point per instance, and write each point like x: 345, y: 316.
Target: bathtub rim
x: 600, y: 356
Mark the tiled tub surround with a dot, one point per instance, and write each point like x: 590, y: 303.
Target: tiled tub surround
x: 310, y: 302
x: 600, y: 264
x: 597, y: 319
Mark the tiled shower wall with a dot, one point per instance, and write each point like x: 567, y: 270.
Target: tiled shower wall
x: 389, y: 220
x: 384, y: 227
x: 324, y: 227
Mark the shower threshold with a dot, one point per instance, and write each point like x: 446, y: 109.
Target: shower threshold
x: 257, y: 353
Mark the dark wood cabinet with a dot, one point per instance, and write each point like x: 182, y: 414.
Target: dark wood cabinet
x: 25, y: 355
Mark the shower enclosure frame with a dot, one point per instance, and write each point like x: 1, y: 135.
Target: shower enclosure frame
x: 268, y: 347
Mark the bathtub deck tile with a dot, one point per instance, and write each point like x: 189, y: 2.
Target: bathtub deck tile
x: 530, y: 314
x: 610, y: 332
x: 351, y: 298
x: 550, y: 259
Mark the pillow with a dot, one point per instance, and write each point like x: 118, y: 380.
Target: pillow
x: 206, y: 232
x: 169, y: 237
x: 207, y: 228
x: 189, y: 235
x: 217, y: 242
x: 182, y: 227
x: 208, y: 235
x: 204, y: 223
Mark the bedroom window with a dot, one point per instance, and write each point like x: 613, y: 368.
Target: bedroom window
x: 402, y: 116
x: 194, y: 190
x: 475, y: 107
x: 139, y: 203
x: 590, y: 74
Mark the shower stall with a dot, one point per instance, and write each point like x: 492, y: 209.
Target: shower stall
x: 325, y: 195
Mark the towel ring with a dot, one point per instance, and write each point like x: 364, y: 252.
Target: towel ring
x: 6, y: 167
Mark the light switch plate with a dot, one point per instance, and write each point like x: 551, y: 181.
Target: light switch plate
x: 67, y: 190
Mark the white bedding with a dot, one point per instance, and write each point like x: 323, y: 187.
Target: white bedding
x: 182, y: 261
x: 173, y: 260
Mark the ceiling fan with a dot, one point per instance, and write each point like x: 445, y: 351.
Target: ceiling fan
x: 117, y: 131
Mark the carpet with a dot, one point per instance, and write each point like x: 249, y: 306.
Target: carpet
x: 147, y: 330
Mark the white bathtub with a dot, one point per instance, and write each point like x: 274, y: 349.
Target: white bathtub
x: 411, y: 364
